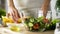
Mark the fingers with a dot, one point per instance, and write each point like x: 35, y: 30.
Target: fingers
x: 8, y: 14
x: 14, y: 18
x: 16, y: 13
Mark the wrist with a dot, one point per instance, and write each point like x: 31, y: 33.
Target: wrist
x: 11, y: 6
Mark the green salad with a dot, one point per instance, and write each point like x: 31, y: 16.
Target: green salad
x: 40, y: 24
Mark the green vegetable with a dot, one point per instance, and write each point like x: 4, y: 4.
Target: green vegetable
x: 55, y: 21
x: 30, y: 24
x: 48, y: 26
x: 31, y: 19
x: 40, y: 19
x: 58, y: 4
x: 2, y: 12
x: 30, y: 28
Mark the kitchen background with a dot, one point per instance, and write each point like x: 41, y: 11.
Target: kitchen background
x: 51, y: 9
x: 4, y: 5
x: 4, y: 8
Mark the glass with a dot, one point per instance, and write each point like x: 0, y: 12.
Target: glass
x: 35, y: 12
x: 28, y: 12
x: 35, y: 20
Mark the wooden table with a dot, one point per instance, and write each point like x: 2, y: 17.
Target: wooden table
x: 47, y: 32
x: 6, y: 30
x: 24, y: 32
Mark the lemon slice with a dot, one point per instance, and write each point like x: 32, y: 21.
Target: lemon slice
x: 15, y: 28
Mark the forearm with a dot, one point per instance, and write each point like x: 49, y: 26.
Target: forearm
x: 11, y: 4
x: 45, y: 7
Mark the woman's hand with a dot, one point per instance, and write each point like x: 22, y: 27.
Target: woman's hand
x: 13, y: 11
x: 15, y: 15
x: 45, y: 7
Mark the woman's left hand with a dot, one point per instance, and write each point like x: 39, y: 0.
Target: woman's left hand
x: 15, y: 15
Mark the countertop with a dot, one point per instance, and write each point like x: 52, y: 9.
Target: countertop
x: 4, y: 30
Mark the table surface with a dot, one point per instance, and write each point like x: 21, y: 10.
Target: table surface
x: 4, y: 30
x: 47, y: 32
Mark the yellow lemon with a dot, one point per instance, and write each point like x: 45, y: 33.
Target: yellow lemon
x: 5, y: 19
x: 15, y: 28
x: 10, y: 20
x: 19, y: 20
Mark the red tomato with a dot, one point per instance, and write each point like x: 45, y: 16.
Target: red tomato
x: 36, y: 26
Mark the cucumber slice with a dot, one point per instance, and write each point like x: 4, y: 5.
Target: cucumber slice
x: 30, y: 24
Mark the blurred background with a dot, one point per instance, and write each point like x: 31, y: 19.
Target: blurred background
x: 2, y: 9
